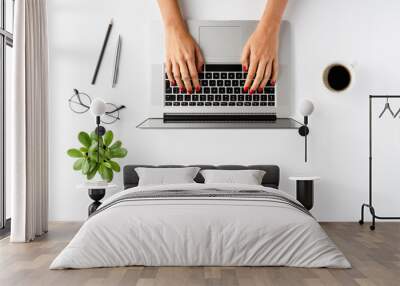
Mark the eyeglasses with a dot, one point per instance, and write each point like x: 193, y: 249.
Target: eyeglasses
x: 80, y: 103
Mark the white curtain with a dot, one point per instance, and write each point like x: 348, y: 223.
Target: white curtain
x: 28, y: 158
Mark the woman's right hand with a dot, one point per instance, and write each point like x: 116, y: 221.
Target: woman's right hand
x: 183, y: 59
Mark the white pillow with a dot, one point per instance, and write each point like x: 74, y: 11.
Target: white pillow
x: 248, y: 177
x: 166, y: 176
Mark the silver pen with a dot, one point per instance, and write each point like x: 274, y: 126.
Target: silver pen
x: 116, y: 63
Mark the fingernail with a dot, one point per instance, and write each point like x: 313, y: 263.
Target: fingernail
x: 173, y: 82
x: 245, y: 89
x: 182, y: 90
x: 273, y: 82
x: 260, y: 90
x: 190, y: 91
x: 245, y: 68
x: 251, y: 91
x: 197, y: 88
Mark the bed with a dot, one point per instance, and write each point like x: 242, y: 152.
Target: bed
x: 199, y: 224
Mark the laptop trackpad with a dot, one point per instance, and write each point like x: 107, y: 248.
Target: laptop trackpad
x: 221, y: 42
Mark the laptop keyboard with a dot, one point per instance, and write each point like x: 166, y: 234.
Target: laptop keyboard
x: 221, y: 85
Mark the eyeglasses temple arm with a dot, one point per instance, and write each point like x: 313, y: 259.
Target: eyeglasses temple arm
x: 117, y: 109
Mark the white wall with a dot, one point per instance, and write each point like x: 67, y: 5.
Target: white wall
x: 361, y: 32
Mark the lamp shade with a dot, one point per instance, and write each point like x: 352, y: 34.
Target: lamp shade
x: 98, y: 107
x: 306, y: 107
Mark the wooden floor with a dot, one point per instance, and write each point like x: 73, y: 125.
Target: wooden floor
x: 375, y: 257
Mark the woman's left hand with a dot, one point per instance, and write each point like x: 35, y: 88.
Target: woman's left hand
x: 260, y: 58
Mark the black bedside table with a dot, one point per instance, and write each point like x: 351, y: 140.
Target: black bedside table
x: 305, y: 190
x: 96, y: 193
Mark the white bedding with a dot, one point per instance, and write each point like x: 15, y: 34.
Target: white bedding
x: 193, y: 231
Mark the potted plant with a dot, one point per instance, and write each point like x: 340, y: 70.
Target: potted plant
x: 97, y: 154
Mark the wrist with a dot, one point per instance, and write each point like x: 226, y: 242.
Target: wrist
x: 269, y: 26
x: 175, y: 25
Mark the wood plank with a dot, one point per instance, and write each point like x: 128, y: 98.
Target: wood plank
x: 375, y: 257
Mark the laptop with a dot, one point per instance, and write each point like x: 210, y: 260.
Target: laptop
x: 221, y: 97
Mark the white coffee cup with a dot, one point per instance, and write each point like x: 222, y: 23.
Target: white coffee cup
x: 338, y: 76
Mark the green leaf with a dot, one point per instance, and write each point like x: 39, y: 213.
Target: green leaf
x: 90, y: 175
x: 102, y: 171
x: 116, y: 145
x: 108, y: 137
x: 100, y: 141
x: 74, y: 153
x: 94, y: 138
x: 93, y: 151
x: 101, y: 152
x: 107, y: 154
x: 93, y: 147
x: 118, y: 153
x: 84, y: 138
x: 115, y: 166
x: 84, y: 149
x: 93, y: 135
x: 107, y: 165
x: 92, y: 165
x: 93, y: 156
x: 106, y: 173
x: 78, y: 164
x: 85, y: 166
x: 109, y: 174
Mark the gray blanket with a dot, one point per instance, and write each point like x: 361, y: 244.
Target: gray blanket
x: 205, y: 194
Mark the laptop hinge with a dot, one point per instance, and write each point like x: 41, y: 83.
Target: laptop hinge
x: 219, y: 117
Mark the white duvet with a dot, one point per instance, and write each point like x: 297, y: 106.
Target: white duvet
x: 219, y: 232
